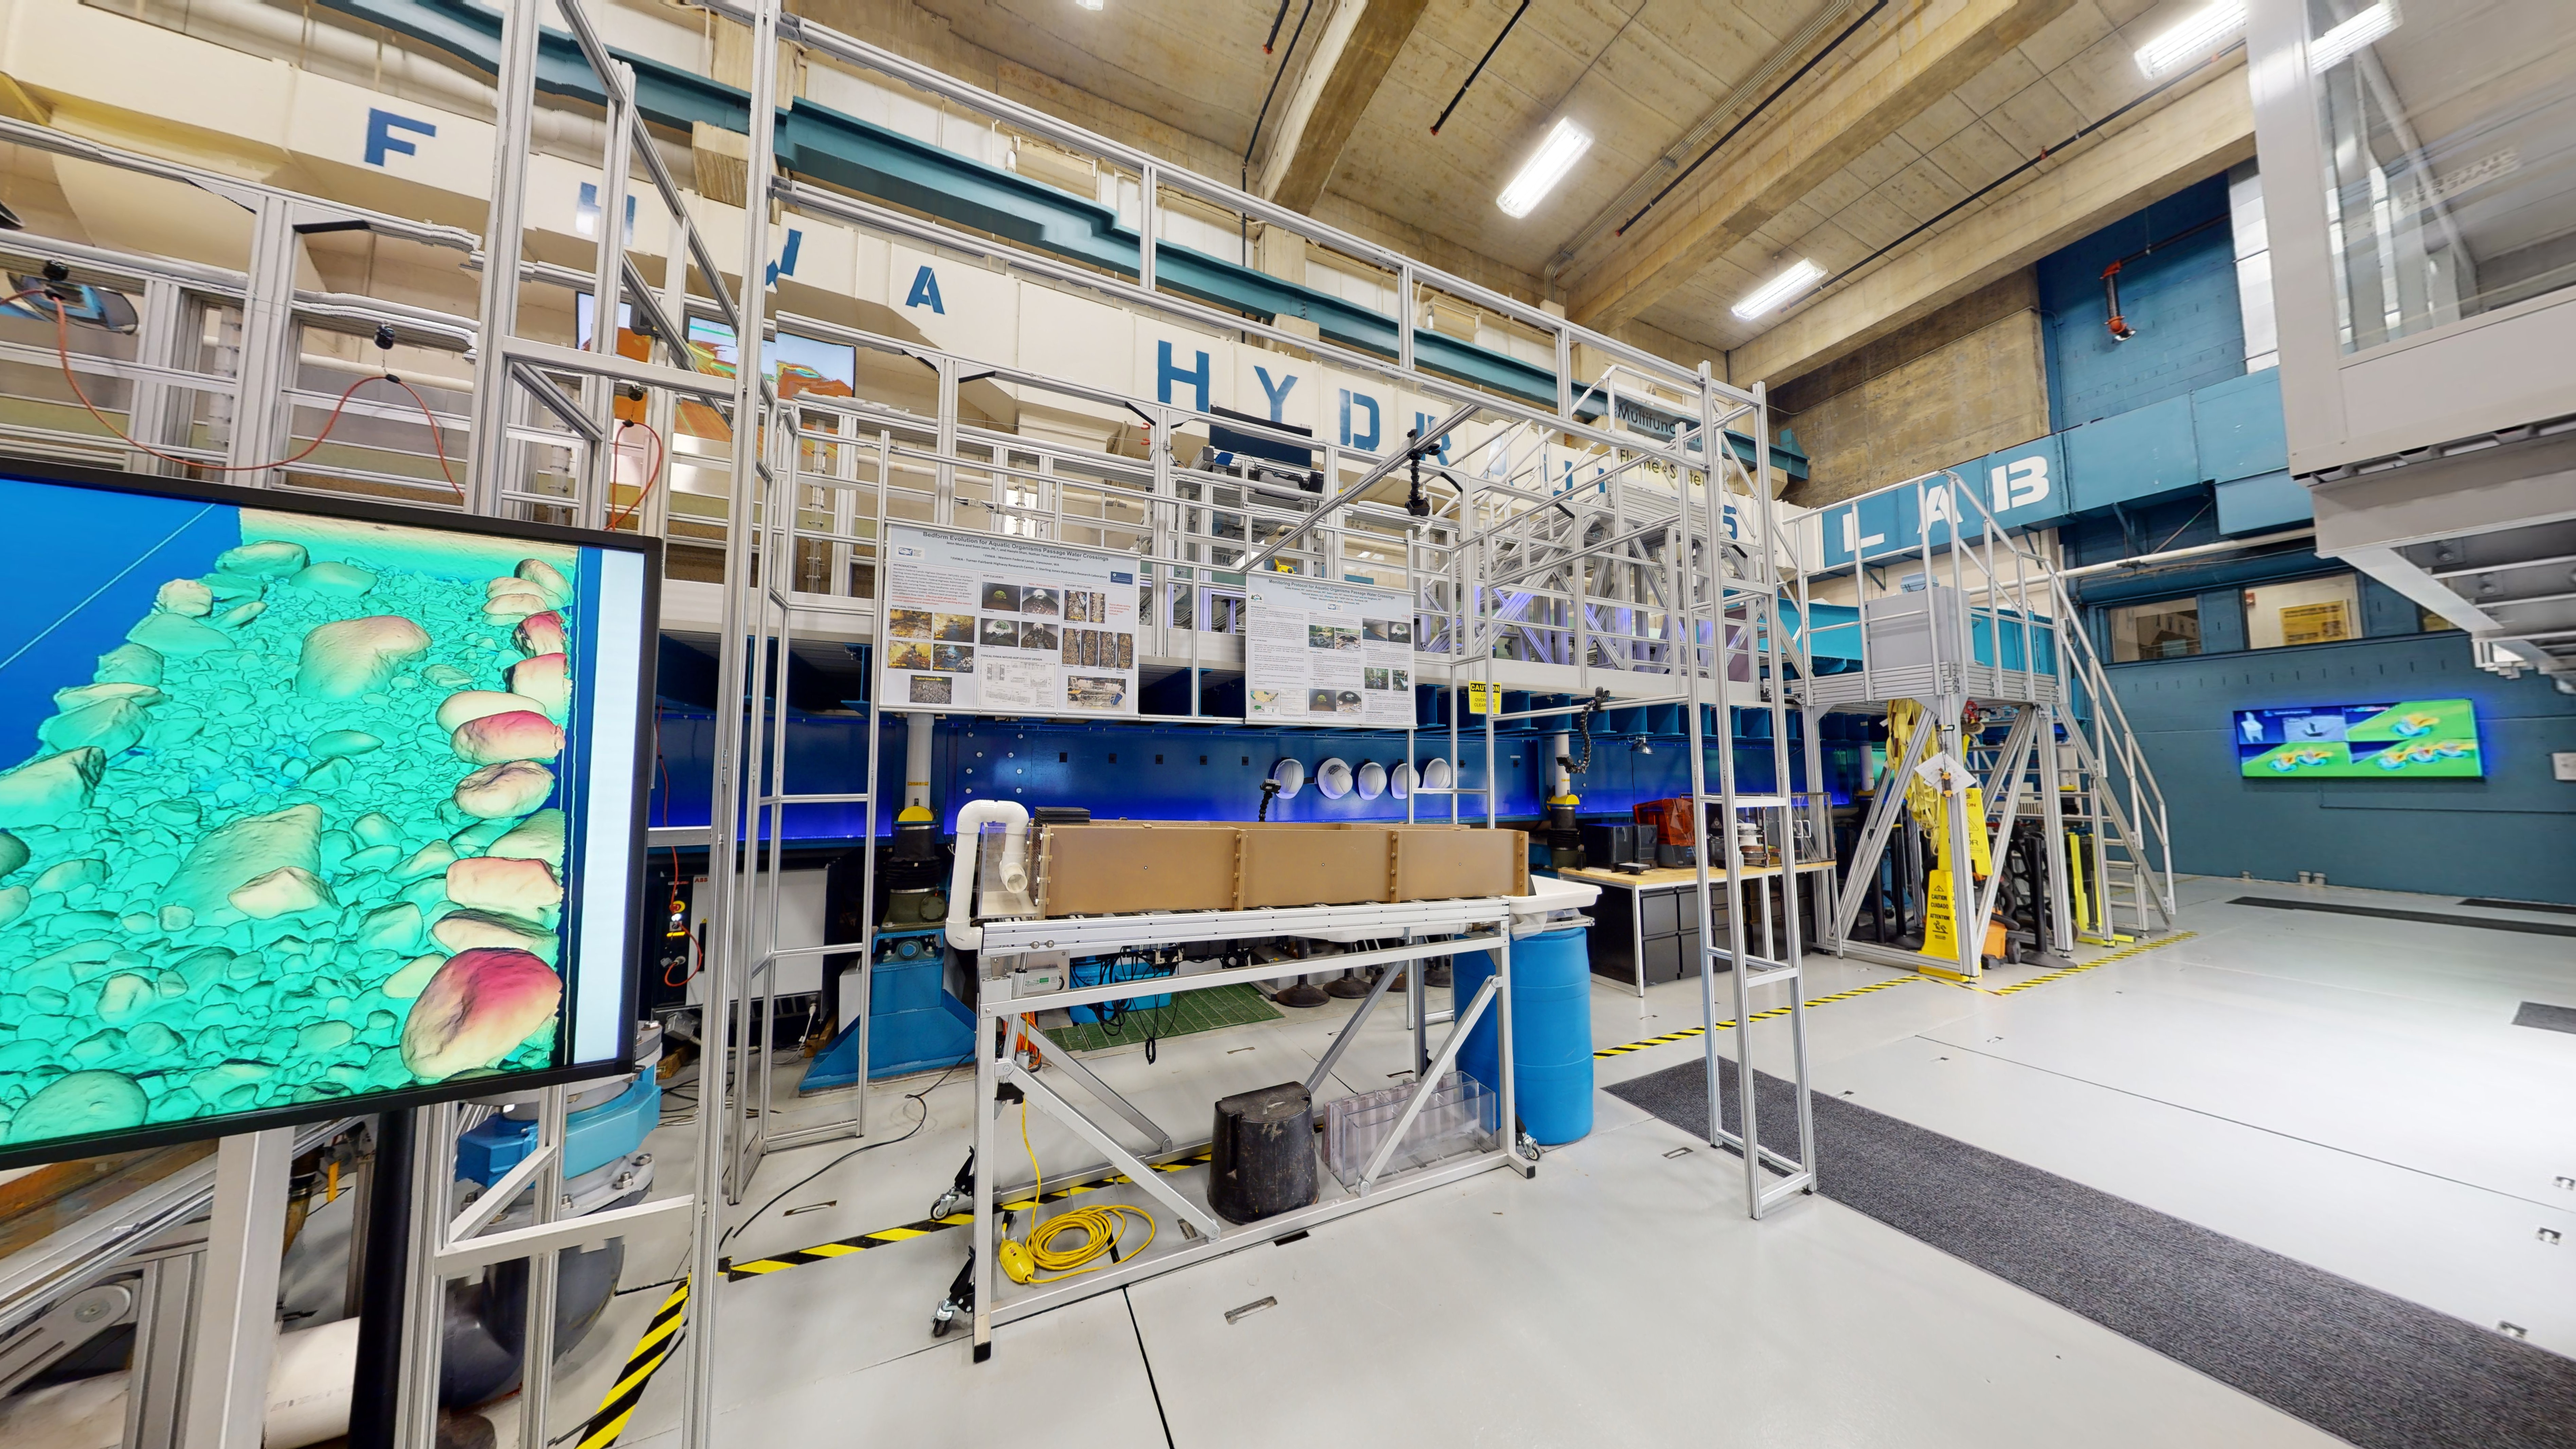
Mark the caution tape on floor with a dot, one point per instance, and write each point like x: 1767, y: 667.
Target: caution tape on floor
x: 654, y: 1349
x: 844, y: 1247
x: 2123, y: 954
x: 1688, y: 1032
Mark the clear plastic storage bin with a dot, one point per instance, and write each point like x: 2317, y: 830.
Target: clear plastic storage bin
x: 1459, y: 1117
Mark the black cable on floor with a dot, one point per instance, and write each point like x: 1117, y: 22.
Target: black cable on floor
x: 1148, y: 1361
x: 923, y: 1120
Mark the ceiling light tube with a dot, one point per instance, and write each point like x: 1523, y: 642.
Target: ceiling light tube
x: 2197, y: 35
x: 1778, y: 290
x: 2346, y: 40
x: 1565, y: 144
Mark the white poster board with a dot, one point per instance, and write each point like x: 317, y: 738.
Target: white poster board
x: 1322, y: 653
x: 985, y: 624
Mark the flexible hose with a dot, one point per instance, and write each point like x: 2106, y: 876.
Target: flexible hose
x: 1103, y: 1230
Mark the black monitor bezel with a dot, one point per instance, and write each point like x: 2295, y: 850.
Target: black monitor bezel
x: 13, y: 466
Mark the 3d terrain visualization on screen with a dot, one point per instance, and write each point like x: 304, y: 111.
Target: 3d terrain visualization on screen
x: 288, y: 825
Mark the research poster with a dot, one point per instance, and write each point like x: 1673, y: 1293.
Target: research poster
x: 985, y: 624
x: 1321, y: 653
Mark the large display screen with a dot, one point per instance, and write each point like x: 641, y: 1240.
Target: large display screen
x: 307, y: 807
x: 2412, y: 739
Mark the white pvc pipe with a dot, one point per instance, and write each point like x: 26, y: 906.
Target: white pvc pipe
x: 962, y: 934
x: 310, y: 1380
x: 1559, y: 747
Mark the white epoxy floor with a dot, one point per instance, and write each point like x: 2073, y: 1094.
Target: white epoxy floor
x: 2346, y: 1091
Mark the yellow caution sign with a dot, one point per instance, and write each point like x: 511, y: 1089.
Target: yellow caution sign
x: 1483, y: 698
x: 1941, y: 918
x: 1981, y: 859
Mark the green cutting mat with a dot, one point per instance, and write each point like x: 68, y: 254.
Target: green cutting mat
x: 1190, y: 1011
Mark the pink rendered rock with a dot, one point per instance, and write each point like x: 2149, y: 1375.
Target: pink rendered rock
x: 466, y: 930
x: 476, y: 1010
x: 518, y: 735
x: 499, y: 792
x: 356, y: 656
x: 473, y: 704
x: 522, y: 889
x: 540, y: 633
x: 542, y: 679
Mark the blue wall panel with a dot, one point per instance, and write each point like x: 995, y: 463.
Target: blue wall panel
x: 2181, y: 301
x: 2506, y: 835
x: 2239, y: 427
x: 2139, y: 454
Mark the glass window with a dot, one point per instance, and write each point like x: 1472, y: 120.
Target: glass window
x: 2166, y: 630
x: 2450, y: 181
x: 2303, y: 611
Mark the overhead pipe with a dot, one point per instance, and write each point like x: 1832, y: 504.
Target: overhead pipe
x: 2152, y: 560
x: 1480, y: 65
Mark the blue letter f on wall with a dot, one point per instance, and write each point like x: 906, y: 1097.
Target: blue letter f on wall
x: 381, y: 140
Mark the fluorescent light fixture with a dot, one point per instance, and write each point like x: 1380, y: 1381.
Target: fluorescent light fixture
x: 1090, y: 4
x: 2346, y: 40
x: 1565, y: 144
x: 2198, y: 35
x: 1779, y: 289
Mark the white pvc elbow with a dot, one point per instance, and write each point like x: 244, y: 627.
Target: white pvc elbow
x: 1013, y: 867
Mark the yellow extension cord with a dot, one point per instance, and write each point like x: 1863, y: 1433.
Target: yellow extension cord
x: 1101, y: 1227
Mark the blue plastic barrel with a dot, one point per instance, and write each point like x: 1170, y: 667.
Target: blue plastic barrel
x: 1551, y: 1032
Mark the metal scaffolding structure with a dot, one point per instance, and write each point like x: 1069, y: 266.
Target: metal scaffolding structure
x: 1614, y: 540
x: 1985, y: 637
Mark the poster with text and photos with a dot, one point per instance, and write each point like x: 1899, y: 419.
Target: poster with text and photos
x: 1321, y: 653
x: 993, y: 625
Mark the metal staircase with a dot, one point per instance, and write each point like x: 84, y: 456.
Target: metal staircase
x: 1983, y: 633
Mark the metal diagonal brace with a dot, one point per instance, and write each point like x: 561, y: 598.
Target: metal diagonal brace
x: 1430, y: 1081
x: 487, y: 1207
x: 1351, y: 1028
x: 1873, y: 836
x: 554, y: 400
x: 1142, y: 1176
x: 1064, y: 1061
x: 1423, y: 442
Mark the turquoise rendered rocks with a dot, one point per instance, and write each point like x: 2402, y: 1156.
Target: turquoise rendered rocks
x: 287, y: 891
x: 13, y: 853
x: 341, y: 744
x: 339, y: 580
x: 232, y: 856
x: 355, y: 657
x: 82, y: 1102
x: 51, y: 789
x: 129, y: 664
x: 268, y: 559
x: 113, y: 725
x: 177, y: 636
x: 539, y: 837
x: 186, y: 597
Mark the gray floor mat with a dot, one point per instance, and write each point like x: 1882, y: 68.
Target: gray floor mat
x: 2545, y: 1016
x: 2367, y: 1366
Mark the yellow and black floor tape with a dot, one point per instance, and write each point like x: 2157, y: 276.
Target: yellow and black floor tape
x: 821, y: 1252
x: 661, y: 1336
x: 1688, y: 1032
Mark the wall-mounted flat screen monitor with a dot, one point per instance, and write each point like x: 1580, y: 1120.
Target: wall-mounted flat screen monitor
x: 308, y: 807
x: 2410, y: 740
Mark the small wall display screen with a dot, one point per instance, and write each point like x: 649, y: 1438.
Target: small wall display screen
x: 307, y: 808
x: 2412, y: 739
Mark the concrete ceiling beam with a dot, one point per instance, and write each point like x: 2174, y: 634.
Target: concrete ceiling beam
x: 1359, y: 43
x: 2197, y: 134
x: 1911, y: 64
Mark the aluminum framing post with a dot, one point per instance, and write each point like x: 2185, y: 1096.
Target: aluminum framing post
x: 237, y: 1306
x: 730, y: 928
x: 516, y: 88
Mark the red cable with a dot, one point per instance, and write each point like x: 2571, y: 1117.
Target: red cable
x: 651, y: 475
x: 63, y: 354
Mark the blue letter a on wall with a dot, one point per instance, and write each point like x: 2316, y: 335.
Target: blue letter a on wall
x: 925, y: 292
